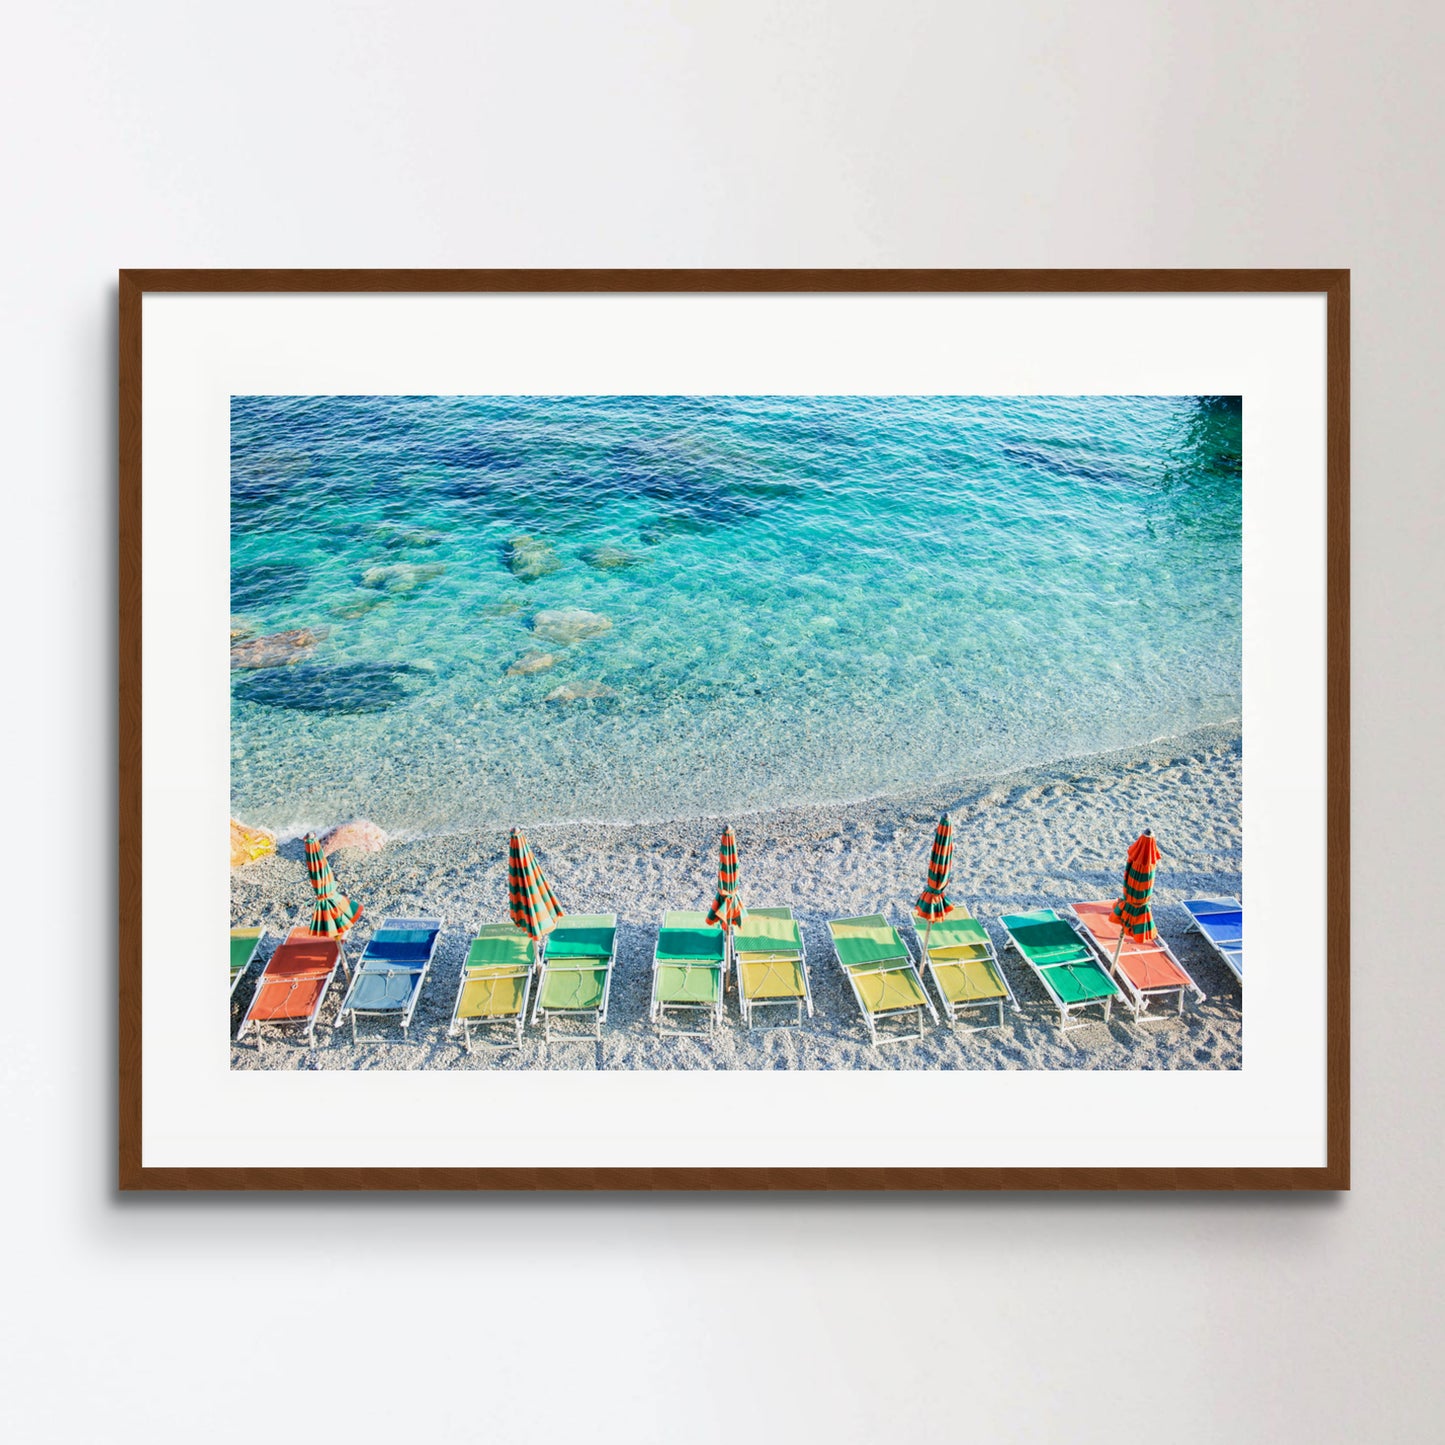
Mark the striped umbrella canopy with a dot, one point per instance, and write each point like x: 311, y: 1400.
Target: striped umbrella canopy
x: 1132, y: 912
x: 534, y: 906
x: 932, y: 904
x: 727, y: 908
x: 334, y: 912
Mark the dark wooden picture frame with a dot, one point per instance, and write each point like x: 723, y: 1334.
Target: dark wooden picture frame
x: 1333, y: 1174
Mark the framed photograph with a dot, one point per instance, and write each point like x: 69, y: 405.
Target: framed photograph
x: 734, y: 729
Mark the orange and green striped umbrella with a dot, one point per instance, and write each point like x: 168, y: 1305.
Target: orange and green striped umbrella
x: 1132, y: 912
x: 932, y: 904
x: 727, y: 908
x: 534, y: 906
x: 334, y: 912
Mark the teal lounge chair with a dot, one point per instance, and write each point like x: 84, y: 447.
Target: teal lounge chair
x: 1065, y: 966
x: 576, y: 976
x: 245, y: 945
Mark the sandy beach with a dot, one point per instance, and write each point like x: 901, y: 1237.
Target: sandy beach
x: 1046, y: 836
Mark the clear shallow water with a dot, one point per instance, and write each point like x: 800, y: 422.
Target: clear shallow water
x: 825, y: 598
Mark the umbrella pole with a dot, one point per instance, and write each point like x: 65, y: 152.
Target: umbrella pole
x: 927, y: 934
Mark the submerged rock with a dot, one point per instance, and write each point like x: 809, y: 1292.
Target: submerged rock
x: 608, y: 558
x: 357, y: 687
x: 240, y: 629
x: 358, y: 604
x: 579, y: 692
x: 280, y: 649
x: 532, y: 557
x: 509, y: 608
x: 359, y: 834
x: 532, y: 661
x: 397, y: 577
x: 249, y: 844
x: 570, y: 624
x: 396, y: 536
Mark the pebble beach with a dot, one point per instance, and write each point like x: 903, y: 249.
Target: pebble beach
x: 1034, y: 837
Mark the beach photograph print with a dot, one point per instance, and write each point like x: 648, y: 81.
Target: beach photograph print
x: 736, y: 732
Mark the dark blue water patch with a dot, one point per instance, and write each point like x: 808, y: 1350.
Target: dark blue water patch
x: 359, y: 687
x: 262, y: 582
x: 474, y: 456
x: 1063, y: 463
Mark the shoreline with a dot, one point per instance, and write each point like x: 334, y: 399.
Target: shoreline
x: 964, y: 790
x: 1044, y: 835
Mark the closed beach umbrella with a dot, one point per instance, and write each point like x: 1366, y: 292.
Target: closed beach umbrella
x: 1132, y: 911
x: 334, y: 912
x: 727, y: 909
x: 932, y: 904
x: 534, y: 906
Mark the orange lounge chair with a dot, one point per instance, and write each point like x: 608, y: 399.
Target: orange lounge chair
x: 1148, y: 971
x: 293, y: 984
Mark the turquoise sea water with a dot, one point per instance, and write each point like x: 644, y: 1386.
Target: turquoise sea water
x: 809, y: 598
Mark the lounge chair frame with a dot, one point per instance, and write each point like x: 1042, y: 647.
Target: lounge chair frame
x: 905, y: 961
x: 547, y: 964
x: 658, y: 1008
x: 241, y: 972
x: 310, y: 1021
x: 746, y: 1006
x: 951, y: 1009
x: 1137, y: 998
x: 405, y: 1008
x: 1066, y: 1009
x: 1195, y: 912
x: 497, y: 973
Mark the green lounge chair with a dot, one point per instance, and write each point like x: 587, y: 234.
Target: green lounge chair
x: 882, y: 974
x: 576, y: 977
x: 245, y: 945
x: 961, y: 960
x: 1063, y: 962
x: 687, y: 970
x: 771, y: 964
x: 495, y: 984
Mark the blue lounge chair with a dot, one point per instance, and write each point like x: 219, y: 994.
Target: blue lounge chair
x: 1221, y: 921
x: 390, y: 975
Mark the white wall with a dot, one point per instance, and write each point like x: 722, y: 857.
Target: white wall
x: 795, y: 133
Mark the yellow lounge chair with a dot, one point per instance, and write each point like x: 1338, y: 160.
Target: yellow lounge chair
x: 771, y: 964
x: 965, y: 968
x: 882, y: 974
x: 495, y: 984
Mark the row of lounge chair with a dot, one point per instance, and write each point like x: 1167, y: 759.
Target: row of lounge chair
x: 1076, y: 956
